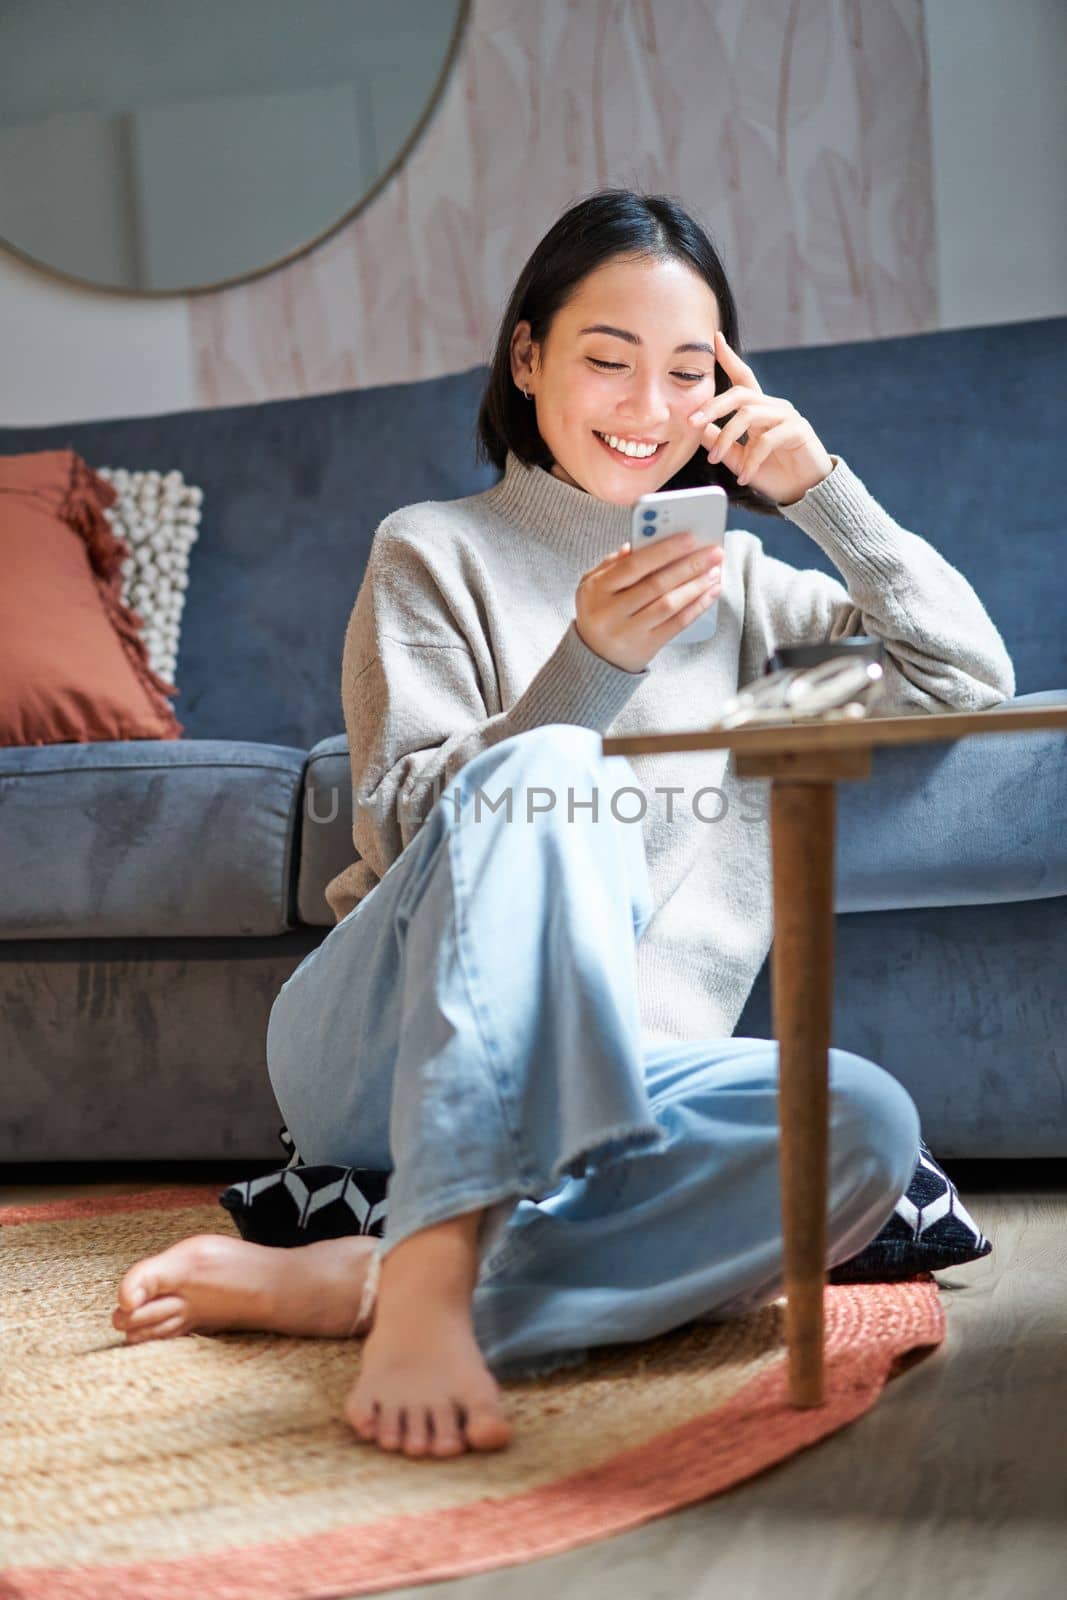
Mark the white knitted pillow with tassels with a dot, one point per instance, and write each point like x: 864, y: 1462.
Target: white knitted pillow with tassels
x: 158, y: 514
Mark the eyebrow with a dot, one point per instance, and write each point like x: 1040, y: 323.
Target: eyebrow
x: 631, y: 338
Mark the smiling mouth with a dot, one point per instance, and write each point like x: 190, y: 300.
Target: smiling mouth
x: 625, y: 455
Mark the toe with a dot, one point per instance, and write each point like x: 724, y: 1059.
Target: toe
x: 362, y: 1415
x: 139, y: 1285
x: 447, y: 1439
x: 417, y: 1432
x: 389, y: 1427
x: 158, y: 1310
x: 165, y: 1329
x: 486, y: 1428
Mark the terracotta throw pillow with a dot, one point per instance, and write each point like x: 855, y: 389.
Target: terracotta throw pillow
x: 73, y: 663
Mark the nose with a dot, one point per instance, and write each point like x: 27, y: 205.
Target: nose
x: 651, y: 407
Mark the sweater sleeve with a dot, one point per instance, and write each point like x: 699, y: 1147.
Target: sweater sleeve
x: 417, y: 684
x: 943, y: 650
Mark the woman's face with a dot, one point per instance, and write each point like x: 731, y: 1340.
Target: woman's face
x: 639, y: 383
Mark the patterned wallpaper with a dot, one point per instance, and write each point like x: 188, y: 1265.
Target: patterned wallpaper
x: 797, y: 130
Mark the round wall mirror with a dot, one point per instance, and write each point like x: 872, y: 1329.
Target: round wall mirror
x: 162, y: 148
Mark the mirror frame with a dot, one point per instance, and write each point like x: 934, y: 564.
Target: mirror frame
x: 458, y: 33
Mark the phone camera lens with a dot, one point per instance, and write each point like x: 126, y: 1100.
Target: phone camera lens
x: 649, y: 516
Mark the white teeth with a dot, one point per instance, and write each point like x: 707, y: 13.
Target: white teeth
x: 628, y: 447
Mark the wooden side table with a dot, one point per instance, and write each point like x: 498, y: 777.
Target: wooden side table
x: 804, y: 762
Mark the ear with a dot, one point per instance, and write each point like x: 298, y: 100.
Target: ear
x: 523, y: 351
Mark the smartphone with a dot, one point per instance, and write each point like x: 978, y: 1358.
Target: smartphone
x: 701, y: 512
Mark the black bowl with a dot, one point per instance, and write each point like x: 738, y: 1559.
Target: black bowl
x: 809, y: 655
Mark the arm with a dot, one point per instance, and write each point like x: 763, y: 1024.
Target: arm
x: 416, y: 686
x: 944, y: 652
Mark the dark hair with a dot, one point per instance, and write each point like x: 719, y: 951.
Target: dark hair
x: 609, y: 224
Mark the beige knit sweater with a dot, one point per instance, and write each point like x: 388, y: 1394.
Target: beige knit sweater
x: 463, y: 634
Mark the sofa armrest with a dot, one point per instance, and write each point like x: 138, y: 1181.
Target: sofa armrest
x: 326, y: 846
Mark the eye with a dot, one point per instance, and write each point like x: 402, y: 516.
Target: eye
x: 617, y: 366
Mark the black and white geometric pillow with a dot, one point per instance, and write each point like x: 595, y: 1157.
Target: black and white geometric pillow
x: 301, y: 1203
x: 930, y: 1227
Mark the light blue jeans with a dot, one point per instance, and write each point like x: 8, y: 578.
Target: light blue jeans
x: 472, y: 1027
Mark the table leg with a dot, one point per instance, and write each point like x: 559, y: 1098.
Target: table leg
x: 802, y: 849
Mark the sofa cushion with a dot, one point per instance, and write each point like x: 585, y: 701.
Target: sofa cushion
x: 142, y: 837
x: 968, y: 823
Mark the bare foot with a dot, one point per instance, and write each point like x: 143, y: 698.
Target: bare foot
x: 424, y: 1387
x: 212, y: 1282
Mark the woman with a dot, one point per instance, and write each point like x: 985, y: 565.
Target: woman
x: 525, y: 1011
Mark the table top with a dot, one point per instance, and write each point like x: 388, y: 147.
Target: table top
x: 863, y: 733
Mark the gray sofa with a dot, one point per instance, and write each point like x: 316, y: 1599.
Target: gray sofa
x: 157, y: 895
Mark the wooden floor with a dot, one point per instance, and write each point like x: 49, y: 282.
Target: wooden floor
x: 953, y: 1488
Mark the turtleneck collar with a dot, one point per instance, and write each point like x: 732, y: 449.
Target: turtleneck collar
x: 557, y: 513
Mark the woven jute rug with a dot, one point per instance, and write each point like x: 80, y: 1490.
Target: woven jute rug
x: 221, y: 1465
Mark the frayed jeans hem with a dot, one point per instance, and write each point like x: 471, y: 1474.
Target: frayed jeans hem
x: 445, y: 1208
x: 627, y: 1139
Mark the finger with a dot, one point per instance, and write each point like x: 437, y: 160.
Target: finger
x: 737, y: 369
x: 649, y: 558
x: 697, y: 567
x: 752, y: 420
x: 665, y: 608
x: 720, y: 404
x: 744, y: 421
x: 775, y: 439
x: 602, y: 566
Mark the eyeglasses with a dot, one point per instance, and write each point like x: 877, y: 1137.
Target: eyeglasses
x: 839, y: 689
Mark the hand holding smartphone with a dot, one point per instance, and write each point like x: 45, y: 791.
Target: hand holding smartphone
x: 701, y: 512
x: 661, y: 583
